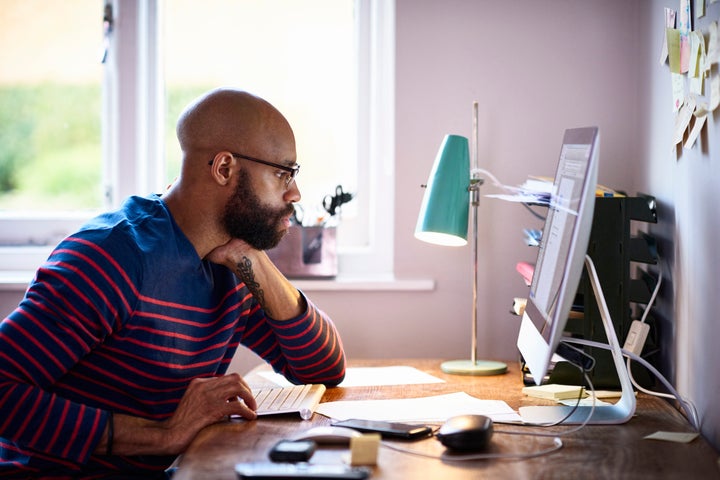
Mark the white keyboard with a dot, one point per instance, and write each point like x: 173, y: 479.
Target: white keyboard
x: 302, y: 399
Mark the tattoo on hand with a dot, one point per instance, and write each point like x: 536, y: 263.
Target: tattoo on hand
x: 245, y: 272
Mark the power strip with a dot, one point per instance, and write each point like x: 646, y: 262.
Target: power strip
x: 636, y: 337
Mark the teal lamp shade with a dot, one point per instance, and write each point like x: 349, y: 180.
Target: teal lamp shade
x: 443, y: 218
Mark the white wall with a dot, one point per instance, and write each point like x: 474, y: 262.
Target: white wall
x: 685, y: 183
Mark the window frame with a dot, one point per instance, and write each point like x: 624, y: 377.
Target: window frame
x: 133, y: 129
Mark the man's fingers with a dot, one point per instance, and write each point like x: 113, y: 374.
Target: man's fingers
x: 236, y: 407
x: 233, y: 389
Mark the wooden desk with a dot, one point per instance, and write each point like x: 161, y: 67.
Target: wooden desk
x: 593, y: 452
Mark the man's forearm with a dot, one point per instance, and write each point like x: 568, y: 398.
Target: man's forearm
x: 138, y: 436
x: 276, y: 295
x: 206, y: 401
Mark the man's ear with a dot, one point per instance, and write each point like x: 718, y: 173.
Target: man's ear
x: 222, y: 167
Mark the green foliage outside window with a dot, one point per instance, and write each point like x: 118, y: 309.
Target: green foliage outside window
x: 50, y: 145
x: 50, y: 151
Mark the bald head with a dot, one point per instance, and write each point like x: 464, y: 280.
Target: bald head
x: 229, y: 119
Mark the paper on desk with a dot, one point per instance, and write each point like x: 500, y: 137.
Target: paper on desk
x: 372, y: 376
x: 434, y: 409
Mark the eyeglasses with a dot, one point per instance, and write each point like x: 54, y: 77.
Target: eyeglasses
x: 289, y: 173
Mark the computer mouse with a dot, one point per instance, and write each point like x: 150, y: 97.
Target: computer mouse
x: 466, y: 432
x: 328, y: 435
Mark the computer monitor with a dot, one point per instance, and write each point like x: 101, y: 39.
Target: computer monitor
x: 559, y: 266
x: 561, y: 254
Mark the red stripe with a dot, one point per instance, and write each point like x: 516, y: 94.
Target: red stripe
x: 110, y: 259
x: 76, y: 430
x: 30, y: 359
x: 13, y: 412
x: 50, y: 355
x: 101, y: 271
x: 91, y: 283
x: 61, y: 421
x: 32, y: 414
x: 42, y: 429
x: 96, y: 425
x: 76, y: 314
x: 39, y: 324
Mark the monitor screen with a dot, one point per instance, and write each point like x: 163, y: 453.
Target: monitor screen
x: 562, y: 250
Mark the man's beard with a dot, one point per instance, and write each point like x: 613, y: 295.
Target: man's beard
x: 248, y: 219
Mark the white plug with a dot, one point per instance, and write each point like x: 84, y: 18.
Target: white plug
x: 636, y: 337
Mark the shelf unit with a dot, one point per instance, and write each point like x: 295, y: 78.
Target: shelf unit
x: 615, y: 250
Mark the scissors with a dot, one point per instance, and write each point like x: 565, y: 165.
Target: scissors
x: 298, y: 215
x: 332, y: 203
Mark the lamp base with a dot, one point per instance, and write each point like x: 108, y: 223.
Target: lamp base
x: 468, y: 367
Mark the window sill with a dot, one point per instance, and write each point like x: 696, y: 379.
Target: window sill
x: 14, y: 281
x: 364, y: 284
x: 18, y: 281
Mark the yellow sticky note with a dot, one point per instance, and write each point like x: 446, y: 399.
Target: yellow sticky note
x: 364, y: 449
x: 678, y: 437
x: 673, y: 43
x: 697, y: 48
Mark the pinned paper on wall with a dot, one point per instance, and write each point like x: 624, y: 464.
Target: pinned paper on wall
x: 678, y: 90
x: 714, y: 93
x: 697, y: 54
x: 673, y: 46
x: 683, y: 117
x: 669, y: 23
x: 696, y: 73
x: 700, y: 117
x: 713, y: 50
x: 690, y: 55
x: 684, y: 29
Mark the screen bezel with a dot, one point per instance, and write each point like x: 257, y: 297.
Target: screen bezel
x: 540, y: 330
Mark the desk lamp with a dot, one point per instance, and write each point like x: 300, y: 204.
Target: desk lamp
x: 443, y: 220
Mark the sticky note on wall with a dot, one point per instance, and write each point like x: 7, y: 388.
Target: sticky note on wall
x: 673, y: 44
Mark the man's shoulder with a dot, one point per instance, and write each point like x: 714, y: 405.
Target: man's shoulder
x: 125, y: 232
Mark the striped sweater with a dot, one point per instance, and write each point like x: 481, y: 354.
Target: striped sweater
x: 121, y: 317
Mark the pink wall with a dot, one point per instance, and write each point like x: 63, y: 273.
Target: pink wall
x: 536, y: 68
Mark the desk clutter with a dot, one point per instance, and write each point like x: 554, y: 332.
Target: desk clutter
x: 289, y: 458
x: 241, y: 449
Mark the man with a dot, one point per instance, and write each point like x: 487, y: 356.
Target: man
x: 117, y: 355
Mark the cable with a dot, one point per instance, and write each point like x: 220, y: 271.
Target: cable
x: 557, y: 445
x: 497, y: 183
x: 492, y: 177
x: 564, y: 419
x: 653, y: 296
x: 687, y: 406
x: 533, y: 212
x: 643, y: 319
x: 557, y: 442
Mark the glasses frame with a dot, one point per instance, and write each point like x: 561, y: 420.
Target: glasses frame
x: 293, y: 170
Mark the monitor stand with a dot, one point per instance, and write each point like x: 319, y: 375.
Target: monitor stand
x: 620, y: 412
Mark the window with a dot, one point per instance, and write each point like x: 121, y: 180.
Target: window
x: 50, y: 147
x: 336, y: 93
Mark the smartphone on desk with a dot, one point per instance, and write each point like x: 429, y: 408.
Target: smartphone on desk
x: 387, y: 429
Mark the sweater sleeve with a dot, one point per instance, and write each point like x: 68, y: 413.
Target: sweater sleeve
x: 68, y: 309
x: 305, y: 349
